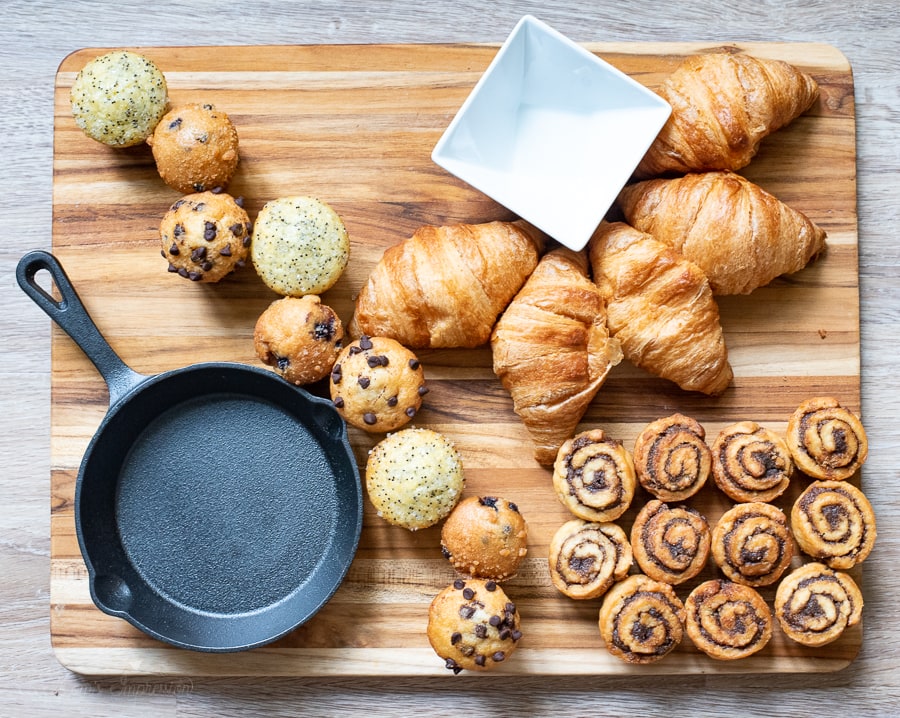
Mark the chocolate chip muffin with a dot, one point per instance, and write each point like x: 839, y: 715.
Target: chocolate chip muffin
x: 299, y: 337
x: 118, y: 98
x: 377, y: 384
x: 195, y: 148
x: 473, y: 625
x: 414, y: 478
x: 205, y: 236
x: 300, y: 246
x: 485, y: 537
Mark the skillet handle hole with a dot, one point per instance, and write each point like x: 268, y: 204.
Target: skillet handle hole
x: 112, y: 593
x: 42, y: 281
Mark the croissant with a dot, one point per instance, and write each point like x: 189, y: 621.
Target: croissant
x: 551, y: 349
x: 737, y: 233
x: 723, y: 105
x: 446, y: 286
x: 660, y: 308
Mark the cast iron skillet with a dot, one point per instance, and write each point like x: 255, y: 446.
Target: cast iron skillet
x: 217, y: 507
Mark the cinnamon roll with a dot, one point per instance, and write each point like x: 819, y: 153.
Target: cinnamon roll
x: 587, y: 558
x: 826, y: 440
x: 833, y: 521
x: 671, y: 457
x: 752, y: 544
x: 641, y: 620
x: 594, y: 476
x: 814, y: 605
x: 727, y: 620
x: 670, y: 544
x: 751, y: 463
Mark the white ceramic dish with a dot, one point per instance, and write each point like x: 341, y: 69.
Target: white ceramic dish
x: 551, y: 132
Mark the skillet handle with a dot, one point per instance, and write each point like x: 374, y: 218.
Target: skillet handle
x: 72, y: 317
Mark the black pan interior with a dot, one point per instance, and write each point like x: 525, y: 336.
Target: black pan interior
x: 219, y: 507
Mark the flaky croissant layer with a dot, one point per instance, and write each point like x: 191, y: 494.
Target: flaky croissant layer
x: 741, y: 236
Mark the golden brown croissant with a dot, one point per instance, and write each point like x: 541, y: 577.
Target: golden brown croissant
x: 723, y: 105
x: 660, y: 307
x: 445, y: 286
x: 737, y: 233
x: 552, y: 351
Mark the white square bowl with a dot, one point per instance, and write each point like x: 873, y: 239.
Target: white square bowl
x: 551, y: 132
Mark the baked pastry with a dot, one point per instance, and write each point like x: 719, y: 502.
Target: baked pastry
x: 552, y: 351
x: 485, y: 537
x: 826, y: 440
x: 205, y: 236
x: 118, y: 98
x: 414, y: 478
x: 473, y: 625
x: 833, y: 522
x: 195, y: 148
x: 741, y: 236
x: 300, y: 246
x: 641, y: 620
x: 660, y: 308
x: 752, y: 544
x: 586, y: 558
x: 751, y: 463
x: 670, y: 543
x: 377, y: 384
x: 593, y: 476
x: 299, y: 337
x: 815, y: 605
x: 727, y: 620
x: 723, y: 105
x: 446, y: 286
x: 671, y: 457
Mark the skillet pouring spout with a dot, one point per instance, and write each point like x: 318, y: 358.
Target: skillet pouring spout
x: 217, y: 506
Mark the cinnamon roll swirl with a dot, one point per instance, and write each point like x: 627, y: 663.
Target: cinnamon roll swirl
x: 826, y: 440
x: 833, y: 521
x: 751, y: 463
x: 814, y: 605
x: 671, y: 457
x: 587, y: 558
x: 752, y: 544
x: 727, y: 620
x: 670, y: 544
x: 641, y: 620
x: 593, y: 476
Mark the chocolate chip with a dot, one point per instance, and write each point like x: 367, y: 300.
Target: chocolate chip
x: 173, y: 250
x: 455, y: 637
x: 370, y: 418
x: 468, y: 594
x: 338, y: 402
x: 373, y: 361
x: 239, y: 201
x: 413, y: 364
x: 467, y: 611
x: 504, y: 634
x: 172, y: 267
x: 354, y: 350
x: 392, y: 401
x: 237, y: 229
x: 177, y: 204
x: 516, y: 635
x: 195, y: 276
x: 452, y: 665
x: 175, y: 124
x: 491, y: 586
x: 364, y: 382
x: 498, y: 656
x: 410, y: 412
x: 199, y: 254
x: 423, y: 390
x: 445, y: 552
x: 324, y: 331
x: 481, y: 631
x: 209, y: 231
x: 488, y: 501
x: 200, y: 206
x: 510, y: 607
x: 365, y: 343
x: 246, y: 241
x: 283, y: 363
x: 495, y: 621
x: 479, y: 660
x: 225, y: 251
x: 513, y: 506
x: 162, y: 252
x: 178, y: 230
x: 206, y: 266
x: 183, y: 272
x: 459, y: 584
x: 207, y: 106
x: 240, y: 263
x: 218, y: 189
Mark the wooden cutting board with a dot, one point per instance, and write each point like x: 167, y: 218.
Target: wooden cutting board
x: 354, y: 126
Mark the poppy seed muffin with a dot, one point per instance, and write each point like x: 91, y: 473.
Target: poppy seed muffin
x: 204, y: 236
x: 473, y: 625
x: 195, y: 148
x: 118, y: 98
x: 414, y: 478
x: 299, y: 337
x: 300, y: 246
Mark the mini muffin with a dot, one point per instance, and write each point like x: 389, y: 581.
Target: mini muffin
x: 300, y: 246
x: 195, y: 148
x: 205, y: 236
x: 300, y: 337
x: 377, y: 384
x: 118, y: 98
x: 485, y: 537
x: 473, y: 625
x: 414, y: 478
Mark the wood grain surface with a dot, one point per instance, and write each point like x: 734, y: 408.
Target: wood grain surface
x: 355, y: 126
